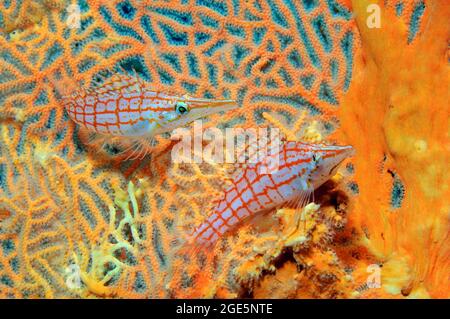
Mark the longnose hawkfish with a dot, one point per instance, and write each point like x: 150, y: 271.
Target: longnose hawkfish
x: 301, y: 169
x: 126, y: 106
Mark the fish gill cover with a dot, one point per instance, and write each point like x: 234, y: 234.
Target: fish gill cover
x: 314, y: 69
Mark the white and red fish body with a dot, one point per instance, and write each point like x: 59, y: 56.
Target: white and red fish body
x: 126, y: 106
x: 301, y: 169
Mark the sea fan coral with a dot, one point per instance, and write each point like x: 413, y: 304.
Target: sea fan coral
x: 314, y: 69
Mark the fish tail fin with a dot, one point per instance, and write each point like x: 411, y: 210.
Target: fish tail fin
x: 63, y: 84
x: 192, y: 245
x: 190, y: 249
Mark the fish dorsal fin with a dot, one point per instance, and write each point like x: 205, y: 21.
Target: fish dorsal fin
x: 119, y: 83
x: 253, y: 147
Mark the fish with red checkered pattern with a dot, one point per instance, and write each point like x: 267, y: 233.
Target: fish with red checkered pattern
x: 301, y: 168
x: 124, y: 105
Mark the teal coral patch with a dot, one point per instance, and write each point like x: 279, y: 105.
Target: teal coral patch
x: 414, y: 23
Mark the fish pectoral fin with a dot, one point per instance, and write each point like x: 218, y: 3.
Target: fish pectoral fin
x: 299, y: 201
x: 259, y: 220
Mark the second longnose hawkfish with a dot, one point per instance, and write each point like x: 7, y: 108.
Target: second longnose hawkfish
x: 301, y: 169
x: 126, y: 106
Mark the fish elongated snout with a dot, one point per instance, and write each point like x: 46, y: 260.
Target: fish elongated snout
x: 348, y: 151
x: 330, y: 159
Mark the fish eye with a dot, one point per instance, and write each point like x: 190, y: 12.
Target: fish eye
x: 315, y: 158
x: 181, y: 108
